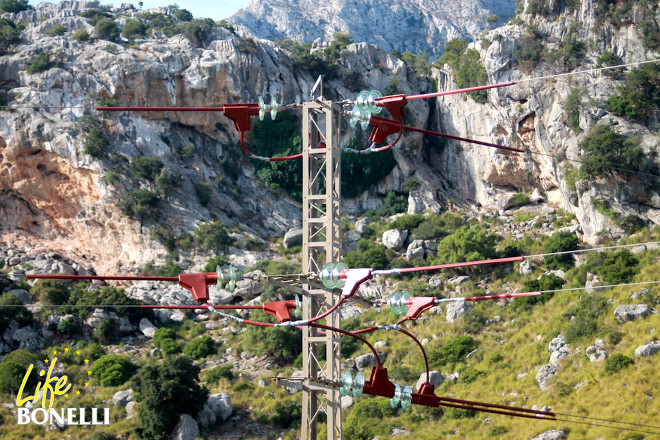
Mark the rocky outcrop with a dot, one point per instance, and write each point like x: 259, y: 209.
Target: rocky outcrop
x: 186, y: 428
x: 626, y: 313
x: 649, y: 349
x: 218, y: 408
x: 403, y: 25
x: 551, y: 435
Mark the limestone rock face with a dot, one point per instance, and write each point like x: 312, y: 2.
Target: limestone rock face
x: 630, y: 313
x: 404, y: 25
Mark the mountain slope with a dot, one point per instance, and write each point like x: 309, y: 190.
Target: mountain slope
x: 402, y: 25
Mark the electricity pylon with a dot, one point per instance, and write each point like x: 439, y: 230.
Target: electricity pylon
x: 321, y: 244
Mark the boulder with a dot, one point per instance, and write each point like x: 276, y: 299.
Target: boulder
x: 415, y: 250
x: 435, y: 378
x: 186, y: 428
x: 365, y: 361
x: 630, y: 313
x: 526, y: 268
x: 544, y: 375
x: 649, y: 349
x: 218, y: 408
x: 122, y: 398
x: 130, y: 409
x: 394, y: 239
x: 147, y: 328
x: 596, y: 352
x: 456, y: 309
x: 293, y: 237
x: 551, y: 435
x: 558, y: 350
x: 346, y: 401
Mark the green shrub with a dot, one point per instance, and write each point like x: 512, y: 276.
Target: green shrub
x: 369, y: 254
x: 165, y: 339
x: 14, y: 6
x: 359, y: 172
x: 286, y: 414
x: 146, y: 167
x: 452, y: 352
x: 11, y: 376
x: 584, y: 318
x: 617, y: 362
x: 470, y: 375
x: 52, y: 292
x: 221, y: 372
x: 632, y: 223
x: 459, y: 413
x: 572, y: 107
x: 407, y: 222
x: 112, y: 370
x: 203, y: 192
x: 437, y: 226
x: 638, y: 99
x: 197, y: 31
x: 16, y: 312
x: 183, y: 15
x: 105, y: 331
x: 560, y: 241
x: 134, y: 29
x: 411, y: 184
x: 212, y: 236
x: 99, y: 435
x: 619, y: 267
x: 9, y: 35
x: 278, y: 342
x: 166, y: 182
x: 199, y: 347
x: 165, y: 391
x: 604, y: 149
x: 466, y: 67
x: 57, y: 31
x: 468, y: 243
x: 492, y: 18
x: 141, y: 205
x: 184, y: 151
x: 95, y: 142
x: 44, y: 61
x: 81, y: 36
x: 68, y: 326
x: 95, y: 15
x: 607, y: 58
x: 106, y: 29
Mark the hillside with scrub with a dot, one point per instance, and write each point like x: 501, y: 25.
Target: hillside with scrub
x: 574, y: 199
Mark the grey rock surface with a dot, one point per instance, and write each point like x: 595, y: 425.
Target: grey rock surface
x: 626, y: 313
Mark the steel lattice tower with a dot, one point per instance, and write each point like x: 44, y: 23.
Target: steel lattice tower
x: 321, y: 243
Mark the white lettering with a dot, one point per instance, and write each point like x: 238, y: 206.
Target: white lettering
x: 106, y: 416
x: 34, y: 416
x: 82, y: 417
x: 23, y: 416
x: 71, y: 416
x: 59, y: 417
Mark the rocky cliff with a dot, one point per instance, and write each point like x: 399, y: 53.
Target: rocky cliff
x: 56, y: 197
x: 403, y: 25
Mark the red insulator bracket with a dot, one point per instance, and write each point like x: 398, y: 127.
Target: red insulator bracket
x: 426, y: 396
x: 240, y: 114
x: 280, y: 309
x: 418, y: 305
x: 198, y: 284
x: 394, y: 104
x: 382, y: 129
x: 378, y: 384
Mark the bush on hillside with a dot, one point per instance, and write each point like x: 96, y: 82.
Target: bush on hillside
x: 112, y: 370
x: 560, y: 241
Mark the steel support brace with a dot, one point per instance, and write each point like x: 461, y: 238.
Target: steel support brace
x: 321, y: 240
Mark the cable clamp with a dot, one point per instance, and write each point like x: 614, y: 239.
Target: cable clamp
x: 389, y: 327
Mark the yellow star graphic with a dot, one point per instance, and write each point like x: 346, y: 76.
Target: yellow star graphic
x: 46, y: 360
x: 86, y: 383
x: 55, y: 352
x: 77, y: 351
x: 89, y: 372
x: 87, y: 361
x: 66, y: 395
x: 78, y: 392
x: 66, y: 349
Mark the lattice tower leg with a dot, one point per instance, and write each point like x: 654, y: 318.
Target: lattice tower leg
x: 321, y: 242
